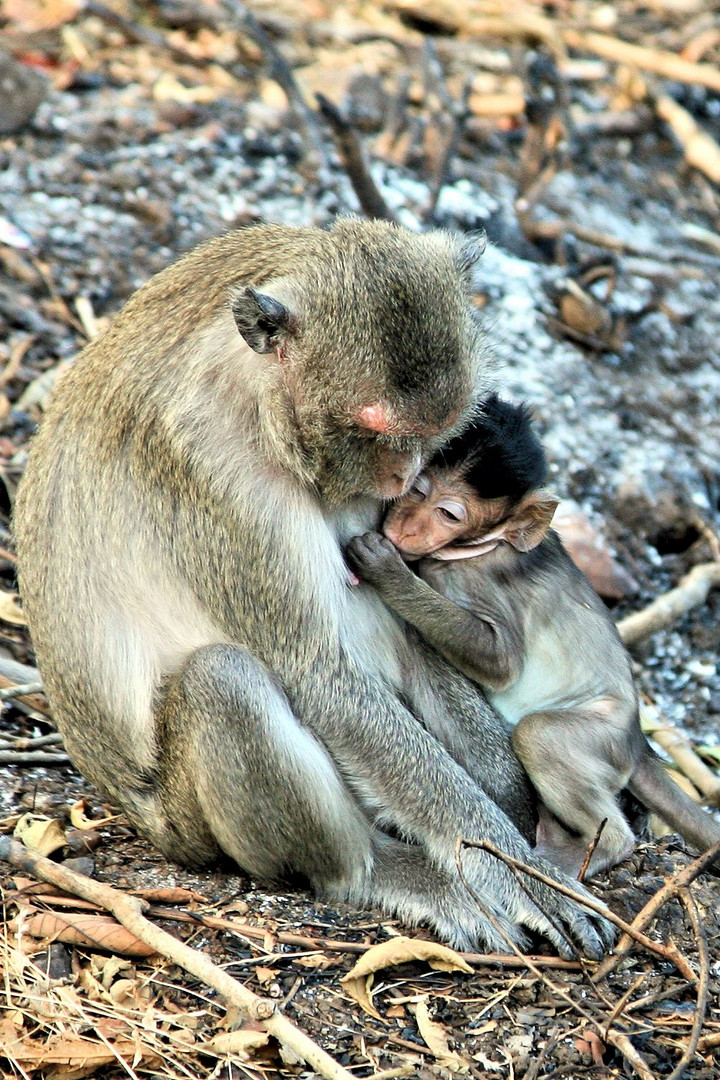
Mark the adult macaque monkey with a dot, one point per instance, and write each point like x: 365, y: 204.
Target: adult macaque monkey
x: 500, y: 598
x: 180, y: 531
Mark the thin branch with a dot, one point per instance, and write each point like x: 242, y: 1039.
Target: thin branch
x: 20, y: 690
x: 279, y: 70
x: 459, y: 113
x: 248, y: 930
x: 591, y: 850
x: 703, y: 983
x: 32, y: 757
x: 670, y: 889
x: 617, y: 1039
x: 690, y: 592
x: 669, y: 953
x: 661, y: 62
x: 32, y: 700
x: 352, y: 159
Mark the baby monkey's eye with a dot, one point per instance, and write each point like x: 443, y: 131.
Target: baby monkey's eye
x: 452, y: 511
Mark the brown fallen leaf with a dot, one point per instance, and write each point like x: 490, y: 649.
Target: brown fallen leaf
x: 402, y: 950
x: 75, y: 1051
x: 591, y: 1043
x: 81, y: 821
x: 10, y: 610
x: 43, y: 835
x: 238, y: 1043
x: 436, y: 1040
x: 398, y: 950
x: 90, y: 931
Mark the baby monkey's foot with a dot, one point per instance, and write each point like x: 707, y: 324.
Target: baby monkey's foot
x: 375, y: 558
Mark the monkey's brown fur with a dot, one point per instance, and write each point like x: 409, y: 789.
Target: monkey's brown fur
x: 179, y: 533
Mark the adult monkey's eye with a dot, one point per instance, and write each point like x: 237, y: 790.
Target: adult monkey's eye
x: 420, y: 487
x: 451, y: 511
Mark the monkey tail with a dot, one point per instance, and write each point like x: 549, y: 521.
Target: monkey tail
x: 654, y: 788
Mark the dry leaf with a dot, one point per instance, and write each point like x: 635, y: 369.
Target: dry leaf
x: 43, y: 835
x: 488, y: 1063
x: 591, y: 1044
x: 74, y: 1051
x: 359, y: 991
x: 108, y: 968
x: 519, y: 1045
x: 435, y: 1038
x: 402, y: 950
x: 315, y: 962
x: 10, y: 610
x: 265, y: 974
x: 170, y: 896
x: 80, y: 821
x: 398, y: 950
x: 32, y: 15
x: 90, y: 931
x: 238, y: 1043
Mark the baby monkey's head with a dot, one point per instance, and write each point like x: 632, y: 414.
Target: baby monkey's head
x: 482, y: 488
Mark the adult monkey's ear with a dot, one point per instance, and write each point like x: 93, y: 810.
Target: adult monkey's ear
x: 471, y: 248
x: 261, y: 319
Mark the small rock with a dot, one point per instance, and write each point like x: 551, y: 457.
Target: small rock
x: 55, y: 962
x: 81, y: 864
x: 589, y: 552
x: 21, y: 91
x: 82, y: 840
x: 658, y: 508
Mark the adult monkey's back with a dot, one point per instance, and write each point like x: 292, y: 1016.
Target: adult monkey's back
x: 179, y: 533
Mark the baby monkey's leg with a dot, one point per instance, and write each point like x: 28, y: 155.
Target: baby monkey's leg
x: 578, y: 765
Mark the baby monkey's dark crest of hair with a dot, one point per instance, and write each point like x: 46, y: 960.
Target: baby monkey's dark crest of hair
x: 499, y: 454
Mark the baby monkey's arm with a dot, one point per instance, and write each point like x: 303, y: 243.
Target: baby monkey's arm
x: 481, y: 644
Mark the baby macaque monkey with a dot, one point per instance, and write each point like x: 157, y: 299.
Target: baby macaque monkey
x: 499, y: 597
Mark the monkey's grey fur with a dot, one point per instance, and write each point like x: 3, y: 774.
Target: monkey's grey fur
x: 179, y: 534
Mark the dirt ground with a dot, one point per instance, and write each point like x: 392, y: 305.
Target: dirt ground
x: 130, y: 134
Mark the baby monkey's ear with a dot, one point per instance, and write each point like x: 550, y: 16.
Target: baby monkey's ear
x: 529, y: 522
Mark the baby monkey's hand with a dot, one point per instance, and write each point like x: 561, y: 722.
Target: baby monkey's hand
x: 374, y: 558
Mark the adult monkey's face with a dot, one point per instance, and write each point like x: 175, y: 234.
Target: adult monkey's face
x: 380, y: 353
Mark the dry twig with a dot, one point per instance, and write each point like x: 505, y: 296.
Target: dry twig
x: 285, y: 937
x: 353, y: 161
x: 128, y: 911
x: 700, y: 149
x: 27, y: 697
x: 692, y: 591
x: 279, y: 69
x: 671, y: 888
x: 703, y: 984
x: 681, y: 750
x: 617, y: 1038
x: 669, y: 953
x: 32, y: 757
x: 590, y: 850
x: 661, y: 62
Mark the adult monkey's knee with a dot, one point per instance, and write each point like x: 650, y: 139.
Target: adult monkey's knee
x: 240, y: 767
